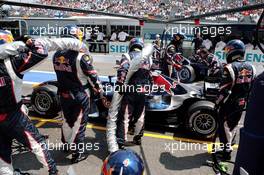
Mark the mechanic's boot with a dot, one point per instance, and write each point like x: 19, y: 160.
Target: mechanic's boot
x: 137, y: 140
x: 224, y: 155
x: 121, y: 146
x: 53, y: 172
x: 78, y: 157
x: 18, y: 172
x: 131, y: 131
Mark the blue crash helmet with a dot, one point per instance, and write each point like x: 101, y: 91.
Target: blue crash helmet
x: 234, y: 49
x: 123, y: 162
x: 135, y: 43
x: 5, y: 37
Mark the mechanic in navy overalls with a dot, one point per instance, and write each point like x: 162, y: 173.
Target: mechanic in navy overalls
x: 215, y: 67
x: 122, y: 70
x: 250, y: 155
x: 167, y: 61
x: 77, y: 78
x: 132, y: 109
x: 17, y: 58
x: 131, y: 105
x: 234, y: 90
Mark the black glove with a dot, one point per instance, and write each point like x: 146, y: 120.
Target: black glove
x: 29, y: 44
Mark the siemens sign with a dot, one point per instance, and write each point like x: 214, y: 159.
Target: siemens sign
x: 254, y: 56
x: 118, y: 47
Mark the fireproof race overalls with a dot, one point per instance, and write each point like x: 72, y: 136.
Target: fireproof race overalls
x: 129, y: 106
x: 250, y: 152
x: 14, y: 124
x: 115, y: 104
x: 76, y: 77
x: 234, y: 90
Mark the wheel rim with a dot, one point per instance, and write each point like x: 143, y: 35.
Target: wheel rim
x: 42, y: 102
x: 204, y: 124
x: 184, y: 74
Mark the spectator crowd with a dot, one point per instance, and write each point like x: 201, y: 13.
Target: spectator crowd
x: 143, y: 8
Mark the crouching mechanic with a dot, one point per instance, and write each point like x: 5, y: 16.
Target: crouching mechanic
x: 132, y: 101
x: 234, y: 90
x: 16, y: 58
x: 77, y: 78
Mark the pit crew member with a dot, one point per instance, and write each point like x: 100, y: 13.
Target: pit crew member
x: 234, y: 89
x: 138, y: 82
x: 77, y: 79
x: 250, y: 152
x: 17, y: 58
x: 116, y: 123
x: 215, y: 67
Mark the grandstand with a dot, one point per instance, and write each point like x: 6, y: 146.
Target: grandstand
x: 160, y: 9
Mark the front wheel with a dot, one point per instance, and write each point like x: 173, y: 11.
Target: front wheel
x: 187, y: 74
x: 45, y: 102
x: 202, y: 119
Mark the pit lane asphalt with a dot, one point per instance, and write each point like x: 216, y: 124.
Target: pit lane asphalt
x: 164, y: 151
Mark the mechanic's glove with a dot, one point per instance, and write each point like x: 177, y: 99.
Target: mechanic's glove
x: 29, y: 44
x: 23, y: 49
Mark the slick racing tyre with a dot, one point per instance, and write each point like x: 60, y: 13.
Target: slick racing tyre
x: 187, y: 74
x: 45, y: 102
x: 201, y: 119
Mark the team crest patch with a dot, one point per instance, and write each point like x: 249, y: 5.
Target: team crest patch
x: 87, y: 58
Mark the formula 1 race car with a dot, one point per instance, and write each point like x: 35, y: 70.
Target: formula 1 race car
x: 181, y: 104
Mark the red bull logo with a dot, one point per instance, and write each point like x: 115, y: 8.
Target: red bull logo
x: 62, y: 64
x: 62, y: 60
x: 6, y: 38
x: 244, y: 76
x: 245, y: 73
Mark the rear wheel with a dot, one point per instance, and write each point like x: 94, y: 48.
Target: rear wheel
x: 187, y: 74
x: 45, y: 102
x: 202, y: 119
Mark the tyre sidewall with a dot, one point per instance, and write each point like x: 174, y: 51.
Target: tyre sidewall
x: 193, y: 113
x: 187, y: 70
x: 53, y: 100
